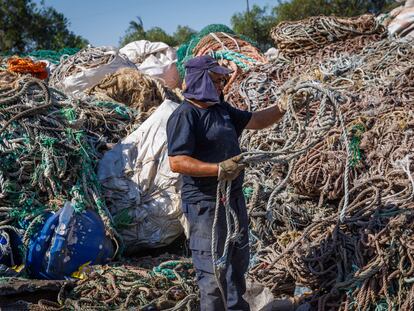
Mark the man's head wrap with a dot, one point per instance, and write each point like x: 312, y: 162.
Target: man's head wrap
x: 198, y: 83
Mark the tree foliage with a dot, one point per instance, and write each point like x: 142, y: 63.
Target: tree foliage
x: 255, y: 24
x: 136, y: 32
x: 26, y: 26
x: 183, y: 34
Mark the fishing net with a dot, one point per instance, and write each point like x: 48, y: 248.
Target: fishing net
x: 54, y: 57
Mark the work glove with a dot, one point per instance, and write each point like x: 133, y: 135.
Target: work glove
x: 229, y: 169
x: 298, y: 101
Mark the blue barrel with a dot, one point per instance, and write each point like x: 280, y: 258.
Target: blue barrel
x: 67, y: 241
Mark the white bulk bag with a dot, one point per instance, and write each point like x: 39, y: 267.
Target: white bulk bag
x: 88, y: 77
x: 156, y: 59
x: 138, y: 182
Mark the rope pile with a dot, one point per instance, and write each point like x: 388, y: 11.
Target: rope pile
x: 258, y: 86
x: 8, y: 80
x: 163, y: 283
x: 306, y: 36
x: 334, y: 213
x: 231, y: 50
x: 49, y: 148
x: 50, y: 145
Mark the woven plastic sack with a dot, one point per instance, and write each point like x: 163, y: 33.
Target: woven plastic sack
x: 87, y: 78
x: 271, y: 53
x: 142, y: 192
x: 156, y: 59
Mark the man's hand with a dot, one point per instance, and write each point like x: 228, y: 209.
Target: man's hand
x: 230, y: 168
x: 298, y: 100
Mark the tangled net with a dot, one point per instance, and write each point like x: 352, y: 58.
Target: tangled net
x: 49, y: 148
x: 306, y: 36
x: 163, y: 283
x: 352, y: 246
x: 54, y: 57
x: 231, y: 50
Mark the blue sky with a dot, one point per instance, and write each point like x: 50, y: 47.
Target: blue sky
x: 103, y: 22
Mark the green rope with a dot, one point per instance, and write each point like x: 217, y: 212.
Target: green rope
x: 235, y: 57
x: 120, y: 109
x: 167, y: 269
x: 122, y: 219
x: 356, y: 135
x: 247, y: 192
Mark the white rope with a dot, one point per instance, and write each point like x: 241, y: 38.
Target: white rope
x: 404, y: 164
x: 218, y: 40
x: 233, y: 39
x: 288, y: 153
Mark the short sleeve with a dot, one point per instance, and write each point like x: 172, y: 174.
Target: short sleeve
x: 180, y: 133
x: 239, y: 118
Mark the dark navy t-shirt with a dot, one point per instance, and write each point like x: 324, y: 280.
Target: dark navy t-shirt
x: 209, y: 135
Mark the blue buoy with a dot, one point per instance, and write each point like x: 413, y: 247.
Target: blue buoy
x: 67, y: 241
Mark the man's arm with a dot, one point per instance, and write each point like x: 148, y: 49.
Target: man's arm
x: 264, y: 118
x: 192, y: 167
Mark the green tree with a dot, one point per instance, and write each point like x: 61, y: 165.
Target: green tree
x: 255, y: 24
x: 50, y: 32
x: 156, y: 34
x: 183, y: 34
x: 134, y: 32
x: 137, y: 32
x: 25, y: 26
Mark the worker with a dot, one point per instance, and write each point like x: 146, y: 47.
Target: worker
x: 203, y: 145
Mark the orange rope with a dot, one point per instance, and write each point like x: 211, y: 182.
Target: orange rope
x: 26, y: 65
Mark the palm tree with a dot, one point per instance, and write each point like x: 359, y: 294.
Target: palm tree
x: 136, y: 26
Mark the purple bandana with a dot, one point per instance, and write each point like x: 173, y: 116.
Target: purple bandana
x: 198, y: 83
